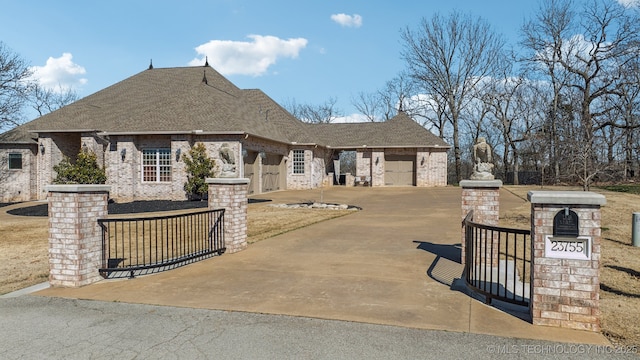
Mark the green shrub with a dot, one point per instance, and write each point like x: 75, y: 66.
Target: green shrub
x: 84, y: 170
x: 199, y: 167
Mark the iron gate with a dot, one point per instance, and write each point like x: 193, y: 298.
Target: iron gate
x: 136, y: 246
x: 498, y: 261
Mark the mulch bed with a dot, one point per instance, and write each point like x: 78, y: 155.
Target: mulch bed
x: 125, y: 208
x: 121, y: 208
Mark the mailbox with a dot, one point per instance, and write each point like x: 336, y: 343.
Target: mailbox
x: 566, y: 243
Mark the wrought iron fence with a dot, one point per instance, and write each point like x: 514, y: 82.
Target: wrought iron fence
x: 136, y: 246
x: 498, y: 261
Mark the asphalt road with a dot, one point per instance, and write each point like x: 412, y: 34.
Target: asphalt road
x: 34, y: 327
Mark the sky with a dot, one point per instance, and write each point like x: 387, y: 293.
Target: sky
x: 304, y: 51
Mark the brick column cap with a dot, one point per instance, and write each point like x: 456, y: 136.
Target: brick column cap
x: 481, y: 183
x: 227, y: 181
x: 78, y: 188
x: 566, y: 197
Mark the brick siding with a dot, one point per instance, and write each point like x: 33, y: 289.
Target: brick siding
x: 75, y: 238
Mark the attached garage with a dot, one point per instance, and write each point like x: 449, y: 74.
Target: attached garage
x: 399, y: 170
x: 273, y: 173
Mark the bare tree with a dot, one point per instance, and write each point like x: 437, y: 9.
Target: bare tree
x: 544, y: 37
x: 368, y: 104
x: 508, y: 102
x: 450, y: 57
x: 628, y: 108
x: 382, y: 105
x: 318, y: 114
x: 45, y: 100
x: 592, y: 47
x: 14, y: 87
x: 434, y: 112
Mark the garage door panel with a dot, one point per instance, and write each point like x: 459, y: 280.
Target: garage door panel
x: 249, y: 170
x: 271, y: 172
x: 399, y: 170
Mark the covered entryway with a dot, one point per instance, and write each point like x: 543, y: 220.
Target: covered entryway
x: 399, y: 170
x: 272, y: 173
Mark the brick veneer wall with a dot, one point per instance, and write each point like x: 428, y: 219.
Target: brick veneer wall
x: 483, y: 197
x: 75, y: 238
x: 566, y: 292
x: 231, y: 195
x: 377, y: 167
x: 314, y: 169
x: 431, y: 167
x: 18, y: 184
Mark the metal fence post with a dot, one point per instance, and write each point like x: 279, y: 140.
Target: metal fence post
x: 635, y: 229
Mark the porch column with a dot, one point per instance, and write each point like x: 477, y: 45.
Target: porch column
x: 565, y: 237
x: 75, y: 238
x: 483, y: 197
x: 231, y: 194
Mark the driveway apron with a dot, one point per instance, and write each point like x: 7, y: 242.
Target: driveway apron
x: 378, y: 265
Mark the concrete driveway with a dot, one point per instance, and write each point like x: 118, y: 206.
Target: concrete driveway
x: 378, y: 266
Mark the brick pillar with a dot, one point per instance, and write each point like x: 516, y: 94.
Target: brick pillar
x: 231, y: 194
x: 566, y: 282
x: 483, y: 197
x: 75, y: 238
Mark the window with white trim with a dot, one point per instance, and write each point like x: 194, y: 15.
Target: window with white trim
x: 298, y: 161
x: 156, y: 165
x: 15, y: 161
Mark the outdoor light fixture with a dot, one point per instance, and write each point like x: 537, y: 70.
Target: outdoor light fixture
x: 244, y: 153
x: 123, y: 154
x: 422, y: 161
x: 42, y: 148
x: 377, y: 160
x: 263, y: 154
x: 178, y: 152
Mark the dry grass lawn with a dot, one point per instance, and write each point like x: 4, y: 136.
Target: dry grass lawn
x: 266, y: 221
x: 620, y: 267
x: 24, y: 258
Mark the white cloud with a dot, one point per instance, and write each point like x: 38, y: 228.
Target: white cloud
x: 353, y: 118
x: 59, y: 74
x: 629, y: 3
x: 575, y: 50
x: 247, y: 58
x: 345, y: 20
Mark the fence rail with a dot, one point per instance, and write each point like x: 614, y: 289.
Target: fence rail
x: 135, y: 246
x: 498, y: 261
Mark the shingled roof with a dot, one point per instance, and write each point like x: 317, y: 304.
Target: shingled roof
x: 189, y: 99
x: 400, y: 131
x: 170, y: 100
x: 275, y: 115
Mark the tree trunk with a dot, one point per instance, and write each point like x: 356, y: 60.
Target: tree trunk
x: 457, y: 152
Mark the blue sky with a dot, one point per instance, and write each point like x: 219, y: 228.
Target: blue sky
x: 307, y: 51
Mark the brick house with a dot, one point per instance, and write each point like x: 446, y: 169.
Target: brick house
x: 140, y: 127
